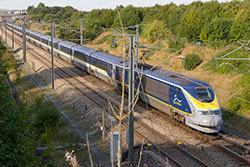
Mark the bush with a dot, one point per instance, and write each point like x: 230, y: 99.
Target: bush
x: 192, y: 61
x: 176, y: 43
x: 46, y: 117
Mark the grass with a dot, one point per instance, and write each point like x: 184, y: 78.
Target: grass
x: 234, y: 67
x: 239, y: 66
x: 60, y: 135
x: 106, y: 38
x: 64, y: 136
x: 236, y: 122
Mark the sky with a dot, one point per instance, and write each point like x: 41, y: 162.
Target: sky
x: 87, y: 5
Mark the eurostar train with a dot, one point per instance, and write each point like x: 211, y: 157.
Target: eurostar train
x: 186, y: 99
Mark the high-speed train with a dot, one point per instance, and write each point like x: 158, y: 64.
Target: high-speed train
x: 186, y: 99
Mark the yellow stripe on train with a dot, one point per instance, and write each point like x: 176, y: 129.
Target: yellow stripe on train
x: 201, y: 105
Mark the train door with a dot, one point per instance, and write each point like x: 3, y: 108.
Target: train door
x: 71, y: 56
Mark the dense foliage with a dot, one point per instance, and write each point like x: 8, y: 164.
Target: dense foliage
x: 16, y: 141
x: 22, y: 126
x: 209, y: 21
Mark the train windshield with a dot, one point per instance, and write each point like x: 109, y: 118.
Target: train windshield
x: 204, y: 94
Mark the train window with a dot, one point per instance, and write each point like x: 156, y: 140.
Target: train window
x: 156, y: 88
x: 44, y: 41
x: 66, y: 50
x: 80, y: 56
x: 108, y: 69
x: 203, y: 94
x: 100, y: 64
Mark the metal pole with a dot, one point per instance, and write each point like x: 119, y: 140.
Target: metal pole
x: 137, y: 43
x: 12, y: 35
x: 5, y: 32
x: 24, y: 40
x: 52, y: 57
x: 81, y: 31
x: 103, y: 125
x: 2, y: 30
x: 130, y: 99
x: 54, y: 29
x: 36, y: 24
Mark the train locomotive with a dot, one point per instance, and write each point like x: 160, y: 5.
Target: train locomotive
x: 186, y: 99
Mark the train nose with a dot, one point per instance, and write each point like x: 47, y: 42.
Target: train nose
x: 211, y: 121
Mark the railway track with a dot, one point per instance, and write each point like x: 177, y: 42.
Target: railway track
x: 220, y: 140
x: 230, y: 146
x: 163, y: 144
x: 169, y: 148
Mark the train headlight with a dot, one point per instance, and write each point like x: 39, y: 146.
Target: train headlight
x: 203, y: 112
x: 216, y: 112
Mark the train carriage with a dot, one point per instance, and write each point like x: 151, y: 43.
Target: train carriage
x: 81, y: 57
x: 66, y: 50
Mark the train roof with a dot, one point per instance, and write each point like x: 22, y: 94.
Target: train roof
x: 36, y: 33
x: 67, y: 44
x: 181, y: 80
x: 111, y: 58
x: 84, y: 49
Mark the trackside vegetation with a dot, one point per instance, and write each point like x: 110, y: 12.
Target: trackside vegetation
x: 16, y: 141
x: 33, y: 123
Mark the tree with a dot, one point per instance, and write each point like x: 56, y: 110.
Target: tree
x: 217, y: 30
x: 40, y: 5
x: 29, y: 8
x: 156, y: 30
x: 130, y: 16
x: 191, y: 22
x: 240, y: 30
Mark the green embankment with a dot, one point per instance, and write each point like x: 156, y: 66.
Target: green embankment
x: 33, y: 123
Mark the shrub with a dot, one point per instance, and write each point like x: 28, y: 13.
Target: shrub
x: 176, y: 43
x: 192, y: 61
x: 46, y: 117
